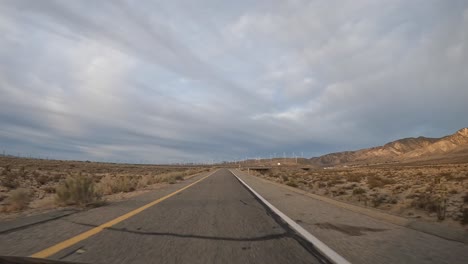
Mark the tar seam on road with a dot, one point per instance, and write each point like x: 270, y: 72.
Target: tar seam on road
x: 20, y: 227
x: 72, y: 241
x: 307, y: 240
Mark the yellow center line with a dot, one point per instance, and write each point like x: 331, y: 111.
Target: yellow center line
x: 69, y: 242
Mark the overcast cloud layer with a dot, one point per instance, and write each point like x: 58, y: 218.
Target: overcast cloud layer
x: 177, y: 81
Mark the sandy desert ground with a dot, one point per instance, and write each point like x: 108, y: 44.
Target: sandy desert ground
x: 429, y: 192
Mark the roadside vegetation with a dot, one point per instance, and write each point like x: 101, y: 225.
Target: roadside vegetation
x: 431, y: 192
x: 32, y: 184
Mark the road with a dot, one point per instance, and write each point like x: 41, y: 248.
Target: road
x: 215, y: 220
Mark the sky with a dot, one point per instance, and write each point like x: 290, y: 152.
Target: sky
x: 208, y: 80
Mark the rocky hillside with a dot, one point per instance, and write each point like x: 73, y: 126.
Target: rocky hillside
x: 403, y: 150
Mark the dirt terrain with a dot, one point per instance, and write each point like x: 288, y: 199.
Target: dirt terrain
x: 29, y: 186
x: 429, y: 192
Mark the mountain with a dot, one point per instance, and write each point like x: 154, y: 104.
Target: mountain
x: 451, y: 147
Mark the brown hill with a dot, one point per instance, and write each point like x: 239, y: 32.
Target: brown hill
x: 403, y: 150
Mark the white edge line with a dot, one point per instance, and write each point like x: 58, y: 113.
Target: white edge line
x: 324, y: 249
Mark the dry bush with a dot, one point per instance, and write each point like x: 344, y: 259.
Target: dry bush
x: 105, y: 185
x: 338, y: 192
x: 9, y: 180
x: 378, y: 200
x: 19, y: 200
x: 274, y: 174
x: 446, y: 174
x: 124, y: 184
x: 354, y: 177
x: 173, y: 177
x: 302, y: 181
x: 430, y: 203
x: 334, y: 180
x: 22, y: 171
x: 359, y: 191
x: 145, y: 180
x: 179, y: 178
x: 170, y: 180
x: 76, y: 190
x: 116, y: 184
x: 42, y: 179
x: 6, y: 169
x: 378, y: 182
x: 48, y: 189
x: 58, y: 177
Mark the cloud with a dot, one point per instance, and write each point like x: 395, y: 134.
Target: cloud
x: 175, y: 81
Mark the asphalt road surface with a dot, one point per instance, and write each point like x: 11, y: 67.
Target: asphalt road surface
x: 216, y: 220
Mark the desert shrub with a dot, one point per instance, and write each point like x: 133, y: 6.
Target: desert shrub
x: 447, y: 175
x: 335, y: 179
x: 392, y: 200
x: 7, y: 168
x: 274, y: 174
x: 350, y: 187
x: 57, y: 177
x: 76, y: 190
x: 9, y: 180
x: 105, y: 185
x: 19, y: 200
x: 145, y: 181
x: 48, y: 189
x: 171, y: 180
x: 358, y: 191
x: 42, y: 179
x: 302, y: 181
x: 378, y: 200
x: 291, y: 183
x: 378, y: 182
x: 172, y: 177
x: 284, y: 178
x: 355, y: 177
x: 465, y: 198
x: 431, y: 204
x: 116, y: 184
x: 124, y: 184
x: 339, y: 192
x: 374, y: 182
x: 35, y: 173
